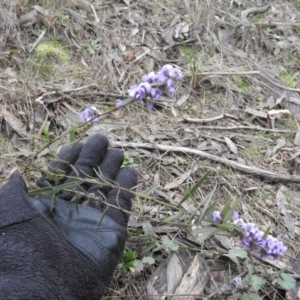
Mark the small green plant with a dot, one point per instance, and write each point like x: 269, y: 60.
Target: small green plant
x: 130, y: 263
x: 241, y: 83
x: 288, y: 79
x: 93, y: 46
x: 129, y: 162
x: 50, y: 49
x: 255, y: 283
x: 177, y: 160
x: 297, y: 4
x: 127, y: 261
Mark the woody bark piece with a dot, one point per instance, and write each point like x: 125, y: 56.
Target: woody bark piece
x: 194, y: 281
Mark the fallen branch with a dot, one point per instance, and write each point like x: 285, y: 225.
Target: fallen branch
x: 230, y: 163
x: 254, y: 128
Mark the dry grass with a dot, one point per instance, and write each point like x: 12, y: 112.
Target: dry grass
x: 107, y: 54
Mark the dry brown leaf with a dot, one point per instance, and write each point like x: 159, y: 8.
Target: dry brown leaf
x: 127, y: 43
x: 174, y: 274
x: 174, y: 112
x: 281, y: 201
x: 182, y: 99
x: 231, y: 145
x: 14, y: 123
x: 84, y: 63
x: 129, y: 57
x: 194, y: 281
x: 280, y: 144
x: 178, y: 181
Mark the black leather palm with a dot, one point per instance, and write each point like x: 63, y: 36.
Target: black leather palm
x: 101, y: 243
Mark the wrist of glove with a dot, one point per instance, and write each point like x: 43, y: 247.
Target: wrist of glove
x: 97, y: 229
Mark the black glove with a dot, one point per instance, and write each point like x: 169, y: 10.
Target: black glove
x: 61, y: 251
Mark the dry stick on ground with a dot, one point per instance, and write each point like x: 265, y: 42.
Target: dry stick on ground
x: 232, y: 164
x: 220, y: 117
x: 254, y: 128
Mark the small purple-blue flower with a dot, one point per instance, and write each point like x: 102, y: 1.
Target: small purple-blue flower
x: 89, y: 115
x: 217, y: 216
x: 119, y: 103
x: 254, y: 239
x: 154, y: 84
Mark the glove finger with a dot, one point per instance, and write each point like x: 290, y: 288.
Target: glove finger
x: 67, y: 156
x: 108, y: 171
x: 126, y: 178
x: 91, y: 155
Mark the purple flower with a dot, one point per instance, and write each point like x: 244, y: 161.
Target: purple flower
x: 145, y: 86
x: 175, y: 74
x: 170, y: 86
x: 154, y: 84
x: 137, y: 93
x: 119, y: 103
x: 217, y: 216
x: 155, y: 93
x: 89, y: 115
x: 240, y: 223
x: 253, y: 239
x: 235, y: 215
x: 237, y: 280
x: 159, y: 78
x: 148, y: 77
x: 171, y: 72
x: 165, y: 70
x: 149, y: 105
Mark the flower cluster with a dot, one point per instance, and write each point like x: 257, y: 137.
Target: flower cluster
x: 153, y: 85
x: 89, y: 115
x: 254, y: 239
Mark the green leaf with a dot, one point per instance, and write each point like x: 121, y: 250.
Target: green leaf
x: 228, y: 226
x: 206, y: 210
x: 49, y: 191
x: 225, y: 210
x: 227, y: 215
x: 18, y: 153
x: 46, y: 129
x: 152, y: 188
x: 174, y: 217
x: 138, y: 266
x: 129, y: 255
x: 237, y: 253
x: 148, y: 260
x: 256, y: 281
x: 171, y: 244
x: 266, y: 232
x: 286, y: 281
x: 250, y: 296
x: 191, y: 192
x: 72, y: 136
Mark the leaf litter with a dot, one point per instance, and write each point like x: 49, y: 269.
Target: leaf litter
x: 237, y: 105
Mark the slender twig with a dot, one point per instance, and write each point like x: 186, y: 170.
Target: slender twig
x: 231, y: 73
x: 37, y: 40
x: 220, y: 117
x: 230, y: 163
x: 64, y: 92
x: 94, y: 12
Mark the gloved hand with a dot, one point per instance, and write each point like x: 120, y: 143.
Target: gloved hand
x: 66, y: 250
